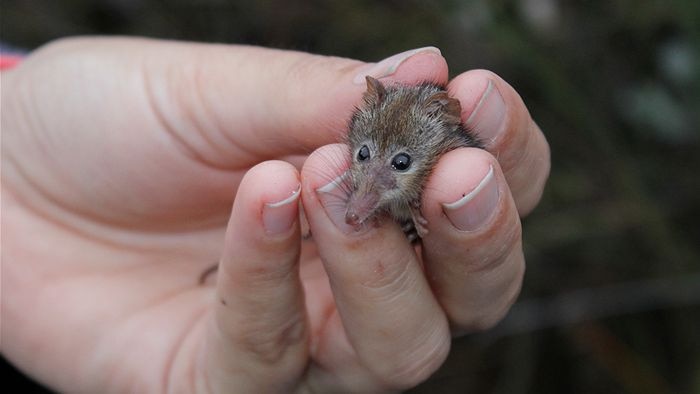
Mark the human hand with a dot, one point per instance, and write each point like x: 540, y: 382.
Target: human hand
x: 121, y: 158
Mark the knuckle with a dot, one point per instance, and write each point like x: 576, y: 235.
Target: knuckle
x: 499, y: 245
x: 490, y: 317
x: 475, y: 321
x: 415, y: 366
x: 304, y: 73
x: 483, y: 323
x: 385, y: 276
x: 269, y: 344
x: 381, y: 275
x: 485, y: 315
x: 299, y: 71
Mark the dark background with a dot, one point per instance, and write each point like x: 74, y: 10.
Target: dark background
x: 611, y: 299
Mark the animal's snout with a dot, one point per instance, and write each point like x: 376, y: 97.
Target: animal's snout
x: 352, y: 218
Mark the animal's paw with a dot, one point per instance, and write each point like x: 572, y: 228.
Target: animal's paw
x: 409, y: 229
x: 419, y: 222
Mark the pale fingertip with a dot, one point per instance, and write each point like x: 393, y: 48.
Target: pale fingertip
x: 390, y: 65
x: 487, y: 118
x: 484, y: 108
x: 497, y: 115
x: 278, y: 217
x: 333, y: 203
x: 463, y: 189
x: 476, y: 207
x: 325, y: 177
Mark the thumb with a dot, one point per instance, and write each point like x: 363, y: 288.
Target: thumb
x: 251, y: 104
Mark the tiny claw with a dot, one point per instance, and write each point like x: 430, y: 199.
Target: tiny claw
x: 421, y: 229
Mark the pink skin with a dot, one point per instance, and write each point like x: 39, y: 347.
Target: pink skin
x: 109, y: 220
x: 132, y: 209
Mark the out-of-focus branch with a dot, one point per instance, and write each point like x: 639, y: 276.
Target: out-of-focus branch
x: 596, y: 303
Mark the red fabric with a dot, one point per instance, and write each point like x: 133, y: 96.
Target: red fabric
x: 9, y: 61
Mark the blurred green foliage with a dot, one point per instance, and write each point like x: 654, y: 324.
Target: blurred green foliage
x: 611, y: 298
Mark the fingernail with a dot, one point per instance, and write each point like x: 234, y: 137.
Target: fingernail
x: 389, y: 65
x: 476, y: 207
x: 333, y: 198
x: 279, y: 216
x: 487, y: 118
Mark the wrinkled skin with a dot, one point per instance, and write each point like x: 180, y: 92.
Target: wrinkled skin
x: 130, y: 166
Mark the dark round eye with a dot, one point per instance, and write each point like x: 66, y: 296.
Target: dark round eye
x: 363, y: 154
x: 401, y: 162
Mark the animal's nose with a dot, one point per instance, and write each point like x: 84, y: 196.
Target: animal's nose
x: 351, y: 218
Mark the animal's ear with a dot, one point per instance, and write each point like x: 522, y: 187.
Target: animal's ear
x: 440, y: 104
x: 375, y: 91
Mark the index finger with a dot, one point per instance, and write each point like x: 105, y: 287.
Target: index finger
x: 495, y: 112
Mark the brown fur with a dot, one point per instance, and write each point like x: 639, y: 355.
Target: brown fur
x: 421, y: 121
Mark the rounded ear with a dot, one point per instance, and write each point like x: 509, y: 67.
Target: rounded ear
x: 440, y: 104
x: 375, y: 91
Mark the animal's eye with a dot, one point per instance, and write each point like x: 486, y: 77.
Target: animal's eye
x: 401, y: 162
x: 363, y: 153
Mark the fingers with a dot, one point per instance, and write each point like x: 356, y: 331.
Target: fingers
x: 473, y: 252
x: 254, y: 103
x: 219, y: 102
x: 258, y: 339
x: 390, y: 315
x: 497, y: 114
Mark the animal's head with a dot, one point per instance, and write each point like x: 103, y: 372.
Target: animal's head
x: 395, y: 138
